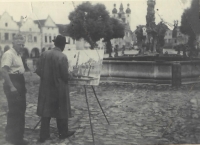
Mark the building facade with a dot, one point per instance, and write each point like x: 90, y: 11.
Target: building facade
x: 49, y: 30
x: 168, y: 39
x: 38, y: 33
x: 31, y: 31
x: 8, y: 28
x: 170, y: 42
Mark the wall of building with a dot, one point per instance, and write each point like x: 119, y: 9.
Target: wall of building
x: 48, y: 34
x: 171, y: 42
x: 168, y: 39
x: 8, y: 28
x: 33, y: 36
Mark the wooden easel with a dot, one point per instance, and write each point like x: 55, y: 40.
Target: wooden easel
x: 90, y: 112
x: 86, y: 97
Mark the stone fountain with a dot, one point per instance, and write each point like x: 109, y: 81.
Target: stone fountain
x: 151, y: 65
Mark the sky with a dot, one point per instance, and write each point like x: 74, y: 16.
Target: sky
x: 168, y: 10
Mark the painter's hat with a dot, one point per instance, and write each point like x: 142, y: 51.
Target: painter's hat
x: 60, y: 39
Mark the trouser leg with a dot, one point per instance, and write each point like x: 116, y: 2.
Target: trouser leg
x: 22, y: 106
x: 16, y: 115
x: 45, y: 128
x: 62, y: 125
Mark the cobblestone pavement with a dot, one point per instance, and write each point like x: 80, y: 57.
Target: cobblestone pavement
x: 138, y: 114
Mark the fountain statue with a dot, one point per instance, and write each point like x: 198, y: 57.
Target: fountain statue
x: 150, y: 37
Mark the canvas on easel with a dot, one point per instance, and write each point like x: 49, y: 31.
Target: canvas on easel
x: 85, y: 65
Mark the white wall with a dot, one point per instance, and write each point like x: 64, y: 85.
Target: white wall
x: 7, y: 19
x: 31, y: 31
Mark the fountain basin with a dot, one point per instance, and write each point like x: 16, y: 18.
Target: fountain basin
x: 156, y: 70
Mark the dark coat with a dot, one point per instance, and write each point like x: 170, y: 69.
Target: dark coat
x: 53, y: 100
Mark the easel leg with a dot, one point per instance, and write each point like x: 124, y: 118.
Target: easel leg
x: 100, y: 104
x: 37, y: 124
x: 89, y: 115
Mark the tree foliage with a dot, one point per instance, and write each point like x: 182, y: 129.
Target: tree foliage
x: 92, y: 22
x: 190, y: 22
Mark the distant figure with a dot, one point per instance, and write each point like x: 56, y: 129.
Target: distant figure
x: 166, y: 52
x: 53, y: 99
x: 116, y: 51
x: 123, y: 49
x: 109, y: 48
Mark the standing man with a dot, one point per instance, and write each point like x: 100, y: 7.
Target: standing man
x: 116, y: 51
x: 53, y: 100
x: 14, y: 88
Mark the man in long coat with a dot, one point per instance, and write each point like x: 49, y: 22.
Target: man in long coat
x: 53, y: 100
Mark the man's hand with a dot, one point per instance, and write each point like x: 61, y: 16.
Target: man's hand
x: 15, y: 93
x: 13, y: 89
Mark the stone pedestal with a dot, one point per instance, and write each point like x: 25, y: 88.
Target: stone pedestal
x: 176, y: 74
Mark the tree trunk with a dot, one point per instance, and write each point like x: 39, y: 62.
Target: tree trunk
x: 91, y: 45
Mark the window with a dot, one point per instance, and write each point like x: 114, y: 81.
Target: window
x: 128, y: 15
x: 175, y: 41
x: 54, y: 37
x: 6, y: 24
x: 69, y: 40
x: 45, y: 39
x: 6, y: 36
x: 35, y: 39
x: 13, y: 35
x: 29, y: 38
x: 50, y: 39
x: 30, y: 29
x: 73, y: 41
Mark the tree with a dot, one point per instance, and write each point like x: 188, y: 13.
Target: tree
x: 190, y: 23
x: 115, y: 29
x: 92, y: 22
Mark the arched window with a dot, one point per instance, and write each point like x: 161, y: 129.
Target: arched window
x: 29, y: 38
x: 43, y: 49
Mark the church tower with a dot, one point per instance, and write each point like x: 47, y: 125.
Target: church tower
x: 128, y: 15
x: 121, y: 13
x: 114, y: 11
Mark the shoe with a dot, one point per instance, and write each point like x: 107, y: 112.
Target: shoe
x: 70, y: 133
x: 42, y: 140
x: 22, y: 142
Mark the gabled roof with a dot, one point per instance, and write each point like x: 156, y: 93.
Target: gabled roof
x: 19, y: 24
x: 40, y: 22
x: 63, y: 29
